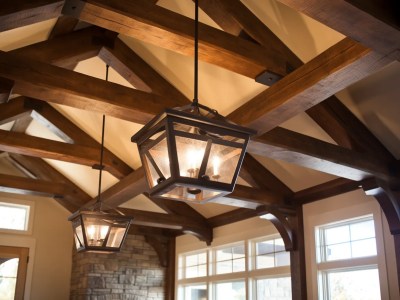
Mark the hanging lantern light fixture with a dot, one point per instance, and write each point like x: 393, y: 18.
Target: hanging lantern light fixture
x: 191, y: 153
x: 94, y: 229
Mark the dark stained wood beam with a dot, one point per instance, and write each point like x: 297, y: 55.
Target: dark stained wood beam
x: 232, y: 216
x: 154, y: 24
x: 41, y: 170
x: 65, y: 50
x: 54, y: 84
x: 13, y: 110
x: 293, y: 147
x: 325, y: 190
x: 336, y: 68
x: 21, y: 124
x: 346, y: 18
x: 263, y: 178
x: 184, y: 223
x: 33, y: 146
x: 137, y: 72
x: 64, y: 25
x: 19, y: 13
x: 6, y: 86
x: 253, y: 26
x: 348, y: 131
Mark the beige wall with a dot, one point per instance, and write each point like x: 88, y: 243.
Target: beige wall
x: 50, y: 244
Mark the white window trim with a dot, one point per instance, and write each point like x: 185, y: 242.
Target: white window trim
x: 333, y: 216
x: 31, y: 214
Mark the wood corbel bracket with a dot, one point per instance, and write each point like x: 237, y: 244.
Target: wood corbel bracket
x: 161, y: 246
x: 388, y: 198
x: 283, y: 224
x: 203, y: 233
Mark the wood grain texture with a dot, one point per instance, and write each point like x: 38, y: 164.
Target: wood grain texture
x: 292, y: 147
x: 348, y: 19
x: 19, y: 13
x: 33, y: 146
x: 58, y: 85
x: 13, y: 110
x: 336, y: 68
x: 64, y: 25
x: 6, y: 86
x: 137, y: 72
x: 154, y: 24
x: 66, y: 50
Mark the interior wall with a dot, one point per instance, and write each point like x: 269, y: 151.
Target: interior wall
x: 50, y: 248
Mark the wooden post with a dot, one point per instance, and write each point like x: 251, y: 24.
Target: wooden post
x: 170, y: 272
x: 297, y: 258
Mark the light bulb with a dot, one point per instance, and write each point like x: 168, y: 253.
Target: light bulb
x: 91, y: 230
x: 103, y: 232
x: 216, y: 165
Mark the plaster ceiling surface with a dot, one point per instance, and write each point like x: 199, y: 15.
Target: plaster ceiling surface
x: 374, y: 100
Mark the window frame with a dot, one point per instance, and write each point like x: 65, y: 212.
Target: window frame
x: 332, y: 216
x: 30, y: 216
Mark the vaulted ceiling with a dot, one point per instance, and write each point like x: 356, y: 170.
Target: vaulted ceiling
x: 318, y: 80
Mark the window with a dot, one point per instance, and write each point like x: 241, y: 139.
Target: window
x: 253, y: 269
x: 14, y: 216
x: 230, y: 260
x: 193, y: 265
x: 271, y: 253
x: 347, y: 260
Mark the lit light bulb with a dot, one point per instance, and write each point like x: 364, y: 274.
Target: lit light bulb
x: 103, y: 232
x: 216, y: 165
x: 91, y: 230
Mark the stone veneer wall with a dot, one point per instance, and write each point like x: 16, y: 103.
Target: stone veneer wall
x: 134, y: 273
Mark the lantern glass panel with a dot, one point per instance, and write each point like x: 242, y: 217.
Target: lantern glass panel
x: 190, y: 152
x: 79, y: 242
x: 182, y: 193
x: 96, y: 230
x: 156, y: 159
x: 222, y: 163
x: 116, y: 237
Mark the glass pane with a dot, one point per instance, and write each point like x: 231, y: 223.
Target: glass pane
x: 182, y: 193
x: 79, y: 242
x: 265, y: 247
x: 363, y: 248
x: 202, y: 270
x: 339, y: 251
x: 362, y: 230
x: 13, y: 216
x: 230, y: 290
x: 195, y: 292
x: 191, y: 272
x: 190, y: 155
x: 279, y: 245
x: 274, y: 288
x: 265, y: 261
x: 354, y: 285
x: 224, y: 267
x: 238, y: 251
x: 239, y: 265
x: 282, y: 259
x: 8, y: 278
x: 222, y: 163
x: 337, y: 235
x: 191, y: 260
x: 202, y: 258
x: 224, y: 254
x: 116, y: 237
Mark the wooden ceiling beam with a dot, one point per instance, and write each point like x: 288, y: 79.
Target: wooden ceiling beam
x: 66, y: 50
x: 21, y: 124
x: 262, y: 177
x: 253, y: 26
x: 64, y: 25
x: 33, y: 146
x: 348, y: 131
x: 154, y: 24
x: 335, y: 69
x: 13, y: 110
x: 19, y: 13
x: 184, y: 223
x: 342, y: 16
x: 296, y: 148
x: 6, y: 86
x: 54, y: 84
x: 137, y: 72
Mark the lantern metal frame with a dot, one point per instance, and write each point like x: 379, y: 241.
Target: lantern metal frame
x: 99, y: 218
x: 211, y: 128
